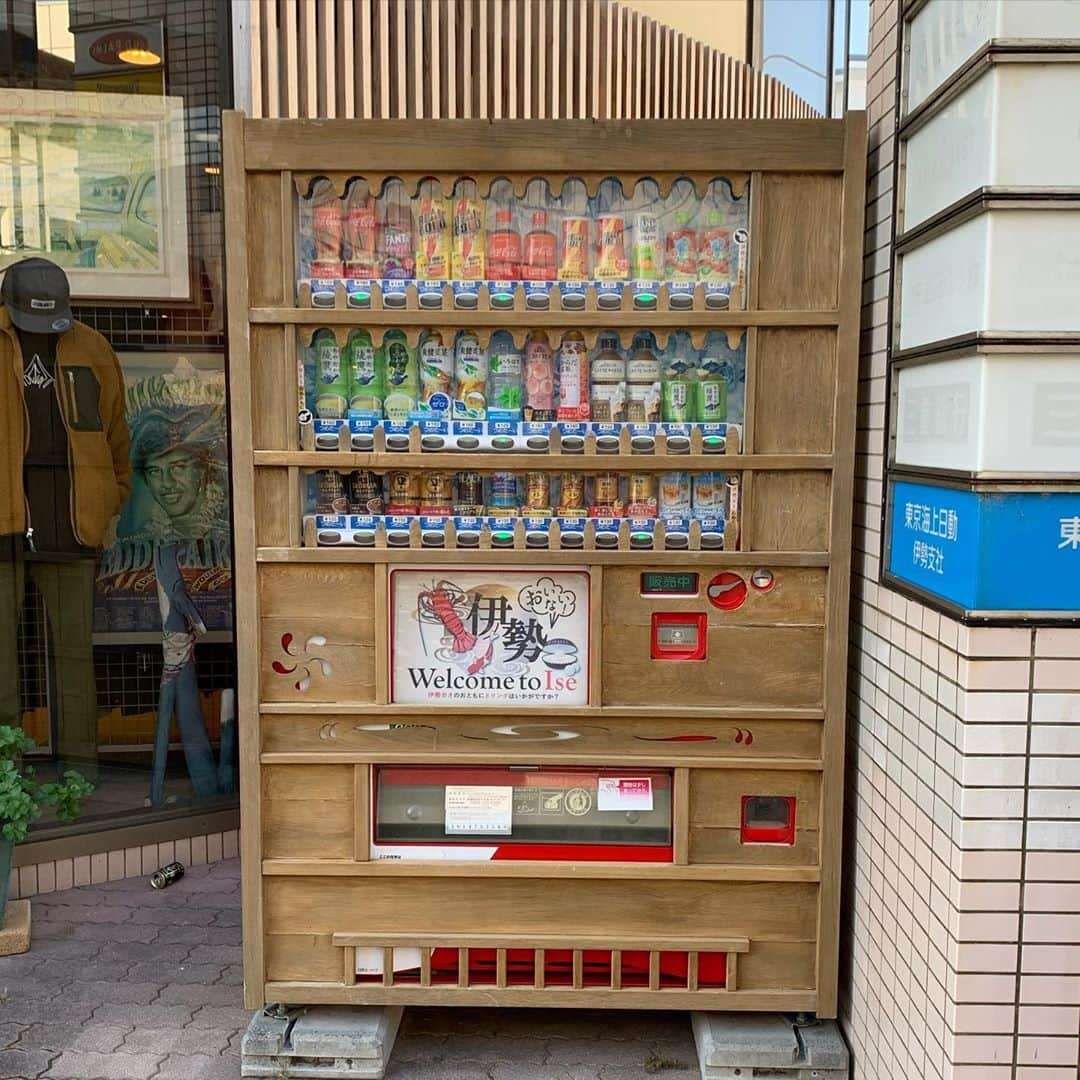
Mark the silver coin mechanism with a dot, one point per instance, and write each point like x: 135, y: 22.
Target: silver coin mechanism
x: 762, y: 580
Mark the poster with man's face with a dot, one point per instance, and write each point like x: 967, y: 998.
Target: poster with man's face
x: 179, y: 456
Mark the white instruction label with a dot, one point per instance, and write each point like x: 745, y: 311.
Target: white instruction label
x: 624, y: 793
x: 478, y: 809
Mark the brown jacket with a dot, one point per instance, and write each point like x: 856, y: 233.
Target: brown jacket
x: 90, y: 392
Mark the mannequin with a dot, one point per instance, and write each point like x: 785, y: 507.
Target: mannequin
x: 64, y: 474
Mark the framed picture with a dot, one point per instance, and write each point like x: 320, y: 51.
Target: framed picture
x: 96, y: 183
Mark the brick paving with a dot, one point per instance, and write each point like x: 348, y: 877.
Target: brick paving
x: 126, y: 983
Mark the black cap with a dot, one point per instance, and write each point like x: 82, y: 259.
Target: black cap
x: 37, y: 296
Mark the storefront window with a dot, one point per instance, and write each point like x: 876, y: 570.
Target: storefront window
x: 116, y: 651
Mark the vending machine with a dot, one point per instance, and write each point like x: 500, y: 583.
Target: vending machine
x: 543, y: 446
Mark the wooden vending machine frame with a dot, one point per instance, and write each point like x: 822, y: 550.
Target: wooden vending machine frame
x: 764, y: 714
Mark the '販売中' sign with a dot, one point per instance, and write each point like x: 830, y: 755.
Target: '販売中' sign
x: 992, y: 552
x: 489, y: 637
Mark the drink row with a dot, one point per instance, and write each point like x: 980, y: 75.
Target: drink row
x: 435, y: 493
x: 461, y: 380
x: 572, y: 237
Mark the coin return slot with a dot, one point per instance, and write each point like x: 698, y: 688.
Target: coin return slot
x: 679, y: 635
x: 768, y: 819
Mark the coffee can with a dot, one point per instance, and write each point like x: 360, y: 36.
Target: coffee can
x: 365, y: 492
x: 403, y: 496
x: 571, y: 494
x: 436, y: 493
x: 537, y: 492
x: 504, y: 491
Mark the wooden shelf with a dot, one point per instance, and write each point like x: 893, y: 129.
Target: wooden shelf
x: 573, y: 320
x: 475, y: 461
x: 530, y: 557
x: 513, y: 869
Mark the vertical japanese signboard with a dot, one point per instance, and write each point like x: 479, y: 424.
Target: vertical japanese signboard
x: 489, y: 637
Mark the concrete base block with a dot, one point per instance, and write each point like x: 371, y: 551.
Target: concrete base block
x: 768, y: 1046
x: 15, y: 932
x: 321, y: 1041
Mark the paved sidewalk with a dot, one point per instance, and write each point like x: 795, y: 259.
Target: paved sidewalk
x: 126, y: 983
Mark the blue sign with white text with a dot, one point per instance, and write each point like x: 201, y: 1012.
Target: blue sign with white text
x: 987, y: 551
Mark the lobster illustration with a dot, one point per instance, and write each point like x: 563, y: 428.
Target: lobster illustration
x: 445, y: 603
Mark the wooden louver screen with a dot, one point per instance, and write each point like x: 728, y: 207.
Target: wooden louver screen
x: 493, y: 59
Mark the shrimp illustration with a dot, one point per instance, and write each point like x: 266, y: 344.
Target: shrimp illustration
x: 445, y: 603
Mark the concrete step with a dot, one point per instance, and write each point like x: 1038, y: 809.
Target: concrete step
x: 768, y: 1046
x: 321, y: 1042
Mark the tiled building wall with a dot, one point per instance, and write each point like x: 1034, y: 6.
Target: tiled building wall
x: 962, y: 904
x: 47, y: 877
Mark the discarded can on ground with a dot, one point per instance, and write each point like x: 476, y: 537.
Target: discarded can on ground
x: 163, y: 878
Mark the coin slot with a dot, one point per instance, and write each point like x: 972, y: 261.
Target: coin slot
x: 726, y: 591
x: 763, y: 580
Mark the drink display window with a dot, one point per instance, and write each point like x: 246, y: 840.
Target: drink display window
x: 483, y: 243
x: 521, y: 812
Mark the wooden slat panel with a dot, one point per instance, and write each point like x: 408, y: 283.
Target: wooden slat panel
x: 606, y: 908
x: 790, y: 511
x: 745, y: 666
x: 793, y: 393
x: 304, y: 957
x: 273, y: 511
x: 800, y: 250
x: 264, y: 228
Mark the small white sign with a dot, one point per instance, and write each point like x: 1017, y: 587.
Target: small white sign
x: 486, y: 809
x: 624, y: 793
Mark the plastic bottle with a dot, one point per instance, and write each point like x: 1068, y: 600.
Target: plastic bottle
x: 539, y: 401
x: 646, y: 252
x: 400, y: 377
x: 468, y: 226
x: 678, y: 391
x: 607, y: 381
x: 643, y: 381
x: 436, y: 364
x: 361, y: 246
x: 432, y: 233
x: 470, y: 378
x: 504, y: 384
x: 712, y: 387
x: 331, y: 378
x: 395, y: 232
x: 365, y: 377
x: 504, y: 248
x: 538, y: 257
x: 574, y: 225
x: 326, y: 229
x: 680, y: 248
x: 573, y: 365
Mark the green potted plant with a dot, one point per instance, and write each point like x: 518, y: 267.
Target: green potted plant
x: 22, y: 796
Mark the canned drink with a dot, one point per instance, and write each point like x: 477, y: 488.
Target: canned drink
x: 470, y: 493
x: 436, y: 375
x: 605, y: 495
x: 436, y: 493
x: 574, y: 249
x: 169, y: 873
x: 402, y: 492
x: 504, y: 499
x: 331, y: 378
x: 365, y: 384
x: 330, y: 497
x: 470, y: 375
x: 571, y: 495
x: 538, y: 492
x: 611, y: 261
x: 674, y: 498
x: 365, y: 492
